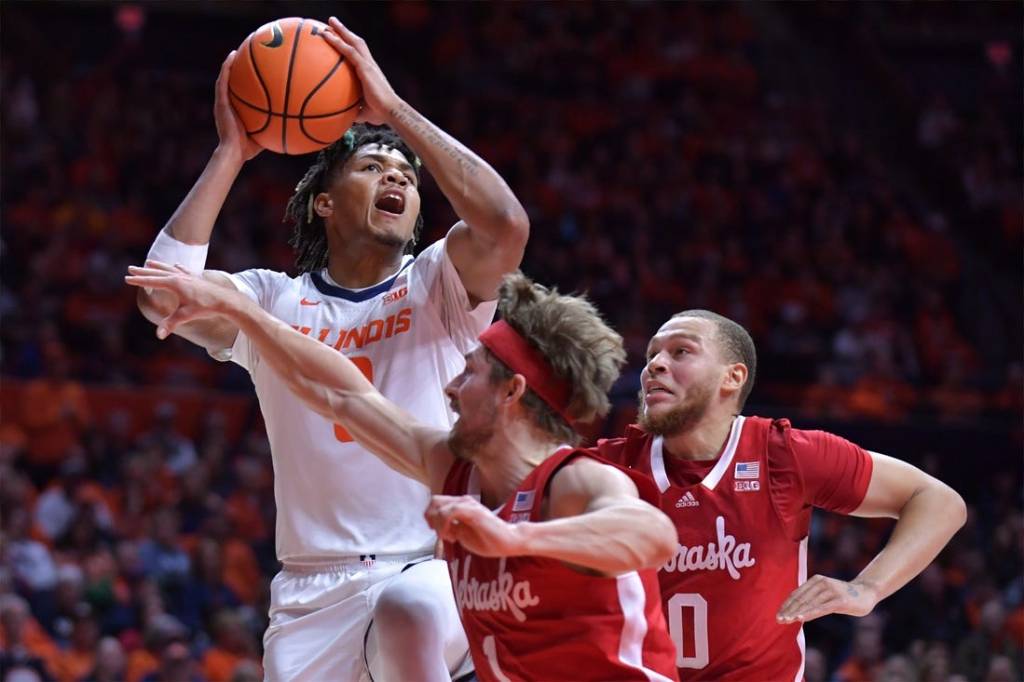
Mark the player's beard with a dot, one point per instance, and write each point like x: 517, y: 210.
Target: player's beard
x: 466, y: 442
x: 392, y: 241
x: 679, y: 419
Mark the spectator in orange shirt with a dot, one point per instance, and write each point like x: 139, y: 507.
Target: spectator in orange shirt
x: 161, y: 631
x: 247, y: 504
x: 865, y: 661
x: 54, y: 415
x: 22, y: 642
x: 176, y: 665
x: 78, y: 659
x: 241, y: 569
x: 233, y: 643
x: 110, y: 662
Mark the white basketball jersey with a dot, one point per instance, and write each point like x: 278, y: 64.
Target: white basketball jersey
x: 408, y: 334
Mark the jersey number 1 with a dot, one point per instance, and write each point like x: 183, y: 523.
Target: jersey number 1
x: 677, y: 607
x: 366, y: 367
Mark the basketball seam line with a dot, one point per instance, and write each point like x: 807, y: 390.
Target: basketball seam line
x: 266, y: 90
x: 302, y: 122
x: 288, y: 84
x: 268, y: 112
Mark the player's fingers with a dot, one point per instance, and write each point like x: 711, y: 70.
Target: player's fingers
x: 159, y: 265
x: 802, y: 596
x: 433, y: 518
x: 348, y: 36
x: 147, y: 272
x: 450, y: 527
x: 793, y: 597
x: 185, y: 313
x: 345, y: 49
x: 818, y: 610
x: 813, y: 592
x: 151, y: 282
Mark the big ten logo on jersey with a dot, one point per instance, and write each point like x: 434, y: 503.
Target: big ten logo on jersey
x: 396, y: 295
x: 358, y: 337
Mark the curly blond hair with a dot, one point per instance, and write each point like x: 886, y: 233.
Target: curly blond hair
x: 571, y: 334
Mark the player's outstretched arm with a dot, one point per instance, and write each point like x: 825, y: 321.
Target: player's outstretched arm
x: 188, y: 231
x: 929, y: 513
x: 598, y: 523
x: 321, y: 377
x: 489, y: 240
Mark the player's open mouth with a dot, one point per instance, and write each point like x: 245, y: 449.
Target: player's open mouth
x: 654, y: 389
x: 391, y: 202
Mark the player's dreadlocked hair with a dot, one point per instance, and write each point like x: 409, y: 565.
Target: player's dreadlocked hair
x: 309, y: 238
x: 570, y: 333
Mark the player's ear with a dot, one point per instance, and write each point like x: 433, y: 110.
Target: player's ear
x: 323, y: 205
x: 515, y: 388
x: 735, y: 377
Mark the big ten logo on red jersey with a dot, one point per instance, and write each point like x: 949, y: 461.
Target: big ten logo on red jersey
x: 371, y: 332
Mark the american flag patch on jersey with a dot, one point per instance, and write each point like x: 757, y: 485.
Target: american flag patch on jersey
x: 524, y: 501
x: 747, y: 470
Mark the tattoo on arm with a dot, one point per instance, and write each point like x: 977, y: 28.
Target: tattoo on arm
x: 405, y: 114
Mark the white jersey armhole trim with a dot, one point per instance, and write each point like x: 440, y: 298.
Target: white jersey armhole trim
x: 632, y: 598
x: 801, y: 578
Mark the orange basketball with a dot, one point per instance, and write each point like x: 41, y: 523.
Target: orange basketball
x: 294, y: 93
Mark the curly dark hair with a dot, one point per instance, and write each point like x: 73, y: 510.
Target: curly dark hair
x: 309, y: 238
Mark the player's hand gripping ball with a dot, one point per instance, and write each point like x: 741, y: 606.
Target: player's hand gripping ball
x: 294, y: 93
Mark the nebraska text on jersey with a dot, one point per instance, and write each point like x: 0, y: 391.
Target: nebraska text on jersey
x: 503, y: 593
x: 726, y: 554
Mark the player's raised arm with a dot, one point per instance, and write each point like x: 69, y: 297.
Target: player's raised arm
x: 490, y: 238
x: 929, y: 513
x: 321, y: 377
x: 597, y: 521
x: 186, y: 236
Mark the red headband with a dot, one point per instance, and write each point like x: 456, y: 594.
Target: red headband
x: 510, y: 347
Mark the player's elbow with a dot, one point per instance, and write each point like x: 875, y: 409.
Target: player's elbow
x: 517, y: 226
x: 955, y: 506
x: 510, y: 230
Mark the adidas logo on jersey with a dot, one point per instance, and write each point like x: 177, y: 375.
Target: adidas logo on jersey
x: 687, y: 500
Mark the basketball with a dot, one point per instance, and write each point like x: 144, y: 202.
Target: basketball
x: 294, y: 93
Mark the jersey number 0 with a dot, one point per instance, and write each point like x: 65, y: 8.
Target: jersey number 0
x: 678, y: 625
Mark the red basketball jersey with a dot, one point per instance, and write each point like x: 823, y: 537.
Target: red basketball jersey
x: 533, y: 618
x: 743, y: 541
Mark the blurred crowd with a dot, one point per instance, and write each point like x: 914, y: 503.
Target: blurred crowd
x: 664, y: 164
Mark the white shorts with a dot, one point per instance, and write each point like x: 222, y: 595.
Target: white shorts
x: 320, y: 619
